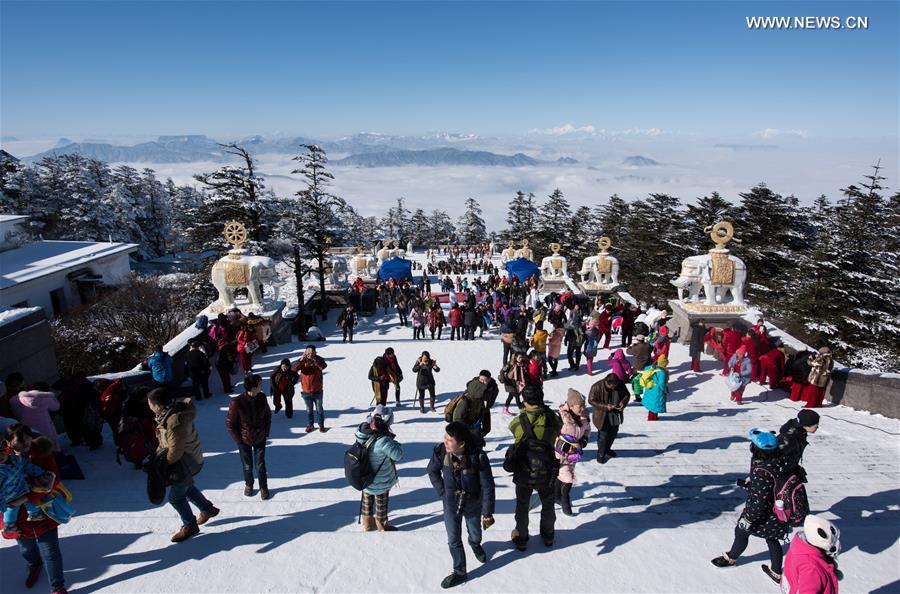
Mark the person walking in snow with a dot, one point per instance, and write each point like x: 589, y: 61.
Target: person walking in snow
x: 554, y: 346
x: 608, y: 399
x: 792, y: 440
x: 758, y: 518
x: 249, y: 421
x: 573, y: 438
x: 385, y: 451
x: 695, y: 350
x: 460, y: 473
x: 198, y: 369
x: 619, y: 365
x: 396, y: 373
x: 654, y: 381
x: 535, y: 470
x: 436, y: 320
x: 177, y: 436
x: 281, y: 384
x: 741, y: 371
x: 425, y: 367
x: 381, y: 377
x: 810, y: 566
x: 311, y: 366
x: 347, y: 321
x: 418, y: 323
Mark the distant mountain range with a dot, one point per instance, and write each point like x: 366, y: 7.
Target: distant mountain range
x: 362, y: 150
x: 639, y: 161
x: 445, y: 156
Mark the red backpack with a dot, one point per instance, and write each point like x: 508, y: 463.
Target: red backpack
x: 133, y: 442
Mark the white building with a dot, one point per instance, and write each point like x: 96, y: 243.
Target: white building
x: 56, y: 275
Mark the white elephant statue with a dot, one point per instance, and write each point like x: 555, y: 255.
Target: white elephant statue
x: 697, y: 274
x: 362, y: 265
x: 555, y: 266
x: 600, y: 270
x: 509, y: 253
x: 243, y: 271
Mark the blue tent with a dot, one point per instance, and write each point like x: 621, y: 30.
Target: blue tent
x: 523, y: 268
x: 397, y: 268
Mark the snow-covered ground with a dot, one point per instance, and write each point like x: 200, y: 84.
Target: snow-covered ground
x: 648, y: 521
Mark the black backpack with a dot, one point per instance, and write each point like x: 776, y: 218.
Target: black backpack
x: 532, y: 461
x: 357, y: 468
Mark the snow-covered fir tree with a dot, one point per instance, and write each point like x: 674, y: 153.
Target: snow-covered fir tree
x: 471, y: 227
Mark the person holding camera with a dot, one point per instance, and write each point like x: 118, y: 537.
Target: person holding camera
x: 461, y: 475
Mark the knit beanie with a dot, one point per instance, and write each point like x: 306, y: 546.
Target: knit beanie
x: 574, y: 398
x: 808, y: 417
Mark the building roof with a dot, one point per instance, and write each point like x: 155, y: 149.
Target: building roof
x: 40, y: 258
x: 6, y: 218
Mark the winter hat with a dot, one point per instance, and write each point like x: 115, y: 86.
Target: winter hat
x: 664, y: 330
x: 381, y: 411
x: 764, y: 440
x: 574, y: 398
x: 533, y: 394
x: 808, y: 418
x: 741, y: 351
x: 822, y: 534
x: 662, y: 361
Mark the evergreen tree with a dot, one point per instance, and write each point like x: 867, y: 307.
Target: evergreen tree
x: 442, y: 226
x: 519, y: 217
x: 553, y: 221
x: 471, y: 226
x: 579, y: 241
x: 613, y: 220
x: 419, y: 229
x: 313, y: 230
x: 233, y: 192
x: 708, y: 211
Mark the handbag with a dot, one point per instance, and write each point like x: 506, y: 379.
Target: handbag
x: 734, y: 381
x: 251, y: 347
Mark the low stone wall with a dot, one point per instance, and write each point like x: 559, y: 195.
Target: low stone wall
x: 26, y: 347
x: 873, y: 392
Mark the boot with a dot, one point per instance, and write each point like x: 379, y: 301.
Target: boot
x: 566, y: 502
x: 385, y: 526
x: 368, y: 523
x: 185, y: 533
x: 432, y: 405
x: 454, y: 579
x: 521, y: 543
x: 34, y: 573
x: 557, y: 492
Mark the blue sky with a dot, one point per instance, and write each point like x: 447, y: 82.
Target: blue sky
x: 234, y: 68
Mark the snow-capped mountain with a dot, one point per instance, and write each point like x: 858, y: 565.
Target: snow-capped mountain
x: 443, y: 156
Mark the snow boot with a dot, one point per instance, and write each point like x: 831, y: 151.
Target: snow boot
x: 775, y: 577
x: 263, y: 493
x: 566, y: 499
x: 454, y: 579
x: 432, y: 405
x: 368, y: 523
x: 310, y: 428
x: 385, y: 526
x: 248, y: 491
x: 723, y: 561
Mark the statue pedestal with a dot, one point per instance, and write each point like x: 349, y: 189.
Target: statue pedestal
x: 594, y: 289
x: 684, y: 313
x: 556, y: 285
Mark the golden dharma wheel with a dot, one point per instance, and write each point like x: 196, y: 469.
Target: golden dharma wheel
x: 722, y: 233
x: 555, y: 247
x: 235, y: 233
x: 604, y: 243
x: 524, y: 243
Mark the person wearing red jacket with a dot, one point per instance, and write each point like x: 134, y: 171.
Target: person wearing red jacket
x: 534, y: 374
x: 662, y: 344
x: 604, y: 323
x: 771, y: 367
x: 246, y: 345
x: 310, y: 367
x: 456, y: 319
x: 731, y: 340
x: 749, y: 342
x: 629, y: 315
x: 38, y: 541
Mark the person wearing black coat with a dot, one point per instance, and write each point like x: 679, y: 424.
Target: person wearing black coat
x: 425, y: 368
x: 198, y: 369
x: 347, y: 320
x: 758, y: 518
x: 698, y: 333
x: 792, y: 440
x: 469, y: 323
x: 460, y: 473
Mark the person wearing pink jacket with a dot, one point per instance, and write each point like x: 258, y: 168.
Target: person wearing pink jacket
x: 570, y: 445
x: 620, y: 366
x: 33, y: 408
x: 811, y: 563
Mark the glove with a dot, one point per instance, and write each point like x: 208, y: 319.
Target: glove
x: 487, y: 522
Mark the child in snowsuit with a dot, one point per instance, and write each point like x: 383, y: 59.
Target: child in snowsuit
x: 14, y: 488
x: 570, y: 445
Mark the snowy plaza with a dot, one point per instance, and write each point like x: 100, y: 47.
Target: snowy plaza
x: 647, y: 521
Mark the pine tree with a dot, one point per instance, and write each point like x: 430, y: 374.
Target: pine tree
x: 553, y: 220
x: 419, y: 229
x: 442, y: 226
x: 578, y: 243
x: 613, y: 220
x: 516, y: 225
x: 233, y: 192
x: 708, y: 211
x: 313, y: 230
x: 471, y: 226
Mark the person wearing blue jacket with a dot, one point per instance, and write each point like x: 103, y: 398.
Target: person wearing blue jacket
x: 160, y: 366
x: 384, y: 453
x: 656, y: 388
x: 461, y: 475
